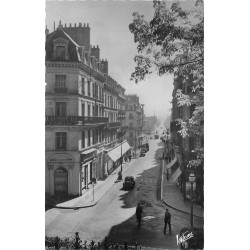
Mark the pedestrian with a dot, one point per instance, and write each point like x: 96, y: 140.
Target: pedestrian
x: 139, y: 211
x: 133, y: 154
x: 129, y: 157
x: 167, y: 221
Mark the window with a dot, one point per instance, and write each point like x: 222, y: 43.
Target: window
x: 60, y: 81
x: 89, y: 92
x: 131, y: 124
x: 61, y: 108
x: 88, y: 109
x: 60, y: 52
x: 83, y: 139
x: 83, y: 109
x: 88, y: 137
x: 131, y: 116
x: 61, y: 140
x: 83, y: 86
x: 130, y: 134
x: 93, y: 110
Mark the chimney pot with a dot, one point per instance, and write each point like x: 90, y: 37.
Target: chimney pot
x: 84, y: 25
x: 70, y: 25
x: 87, y: 24
x: 80, y: 24
x: 75, y: 24
x: 65, y: 25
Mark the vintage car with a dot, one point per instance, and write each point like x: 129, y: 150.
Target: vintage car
x: 129, y: 182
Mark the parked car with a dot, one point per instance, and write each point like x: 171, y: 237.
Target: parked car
x: 142, y: 154
x: 129, y: 182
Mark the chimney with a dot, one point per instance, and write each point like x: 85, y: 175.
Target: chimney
x: 70, y: 25
x: 54, y: 25
x: 105, y: 66
x: 46, y: 31
x: 65, y: 25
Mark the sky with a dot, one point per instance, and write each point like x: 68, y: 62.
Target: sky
x: 109, y: 21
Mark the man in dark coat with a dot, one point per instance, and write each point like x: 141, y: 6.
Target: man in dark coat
x: 139, y: 211
x: 167, y: 220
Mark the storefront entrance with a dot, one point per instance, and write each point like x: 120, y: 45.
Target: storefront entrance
x: 61, y: 182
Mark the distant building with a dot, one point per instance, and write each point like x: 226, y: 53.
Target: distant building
x: 134, y: 121
x: 186, y: 145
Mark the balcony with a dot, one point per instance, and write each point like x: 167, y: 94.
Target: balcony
x: 61, y: 90
x: 73, y: 120
x: 114, y: 124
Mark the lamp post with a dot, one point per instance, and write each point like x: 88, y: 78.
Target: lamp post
x: 192, y: 180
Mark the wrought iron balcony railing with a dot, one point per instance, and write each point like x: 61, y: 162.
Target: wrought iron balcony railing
x: 73, y: 120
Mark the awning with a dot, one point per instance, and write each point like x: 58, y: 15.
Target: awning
x: 176, y: 174
x: 116, y: 153
x: 172, y: 162
x: 89, y: 151
x: 88, y: 155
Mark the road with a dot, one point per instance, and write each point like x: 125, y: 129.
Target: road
x: 114, y: 215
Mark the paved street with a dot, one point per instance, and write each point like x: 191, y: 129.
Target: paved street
x: 114, y: 215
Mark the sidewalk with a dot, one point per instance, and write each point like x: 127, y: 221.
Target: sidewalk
x: 172, y: 197
x: 102, y: 186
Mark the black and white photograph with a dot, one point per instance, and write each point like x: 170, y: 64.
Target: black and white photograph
x: 108, y: 139
x: 124, y: 125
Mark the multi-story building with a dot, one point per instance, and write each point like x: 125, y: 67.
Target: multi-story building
x: 78, y: 129
x: 186, y: 145
x: 134, y: 121
x: 149, y: 124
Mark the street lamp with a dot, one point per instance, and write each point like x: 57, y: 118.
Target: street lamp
x: 192, y: 180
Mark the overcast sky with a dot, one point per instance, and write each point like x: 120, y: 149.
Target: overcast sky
x: 109, y: 21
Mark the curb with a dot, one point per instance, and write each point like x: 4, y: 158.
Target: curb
x: 164, y: 202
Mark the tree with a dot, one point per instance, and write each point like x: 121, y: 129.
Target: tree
x: 173, y: 43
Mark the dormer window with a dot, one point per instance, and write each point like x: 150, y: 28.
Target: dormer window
x: 60, y: 53
x: 60, y: 49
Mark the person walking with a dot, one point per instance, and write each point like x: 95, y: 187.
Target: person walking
x: 139, y: 211
x: 129, y: 157
x: 167, y: 221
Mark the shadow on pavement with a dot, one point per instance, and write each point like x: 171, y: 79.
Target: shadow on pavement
x: 146, y: 192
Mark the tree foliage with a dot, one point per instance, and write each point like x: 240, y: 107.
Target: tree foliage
x: 173, y: 43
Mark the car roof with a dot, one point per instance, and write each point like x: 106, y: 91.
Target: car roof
x: 129, y: 177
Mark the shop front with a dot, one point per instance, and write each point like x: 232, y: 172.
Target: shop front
x: 114, y: 156
x: 59, y: 174
x: 88, y: 168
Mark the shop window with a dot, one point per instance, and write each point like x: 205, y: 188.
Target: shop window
x: 61, y: 140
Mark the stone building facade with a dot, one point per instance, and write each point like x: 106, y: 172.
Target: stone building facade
x: 78, y: 126
x: 134, y: 121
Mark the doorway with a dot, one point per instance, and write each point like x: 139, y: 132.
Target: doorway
x: 61, y: 182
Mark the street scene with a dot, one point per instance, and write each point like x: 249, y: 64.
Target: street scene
x: 124, y: 125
